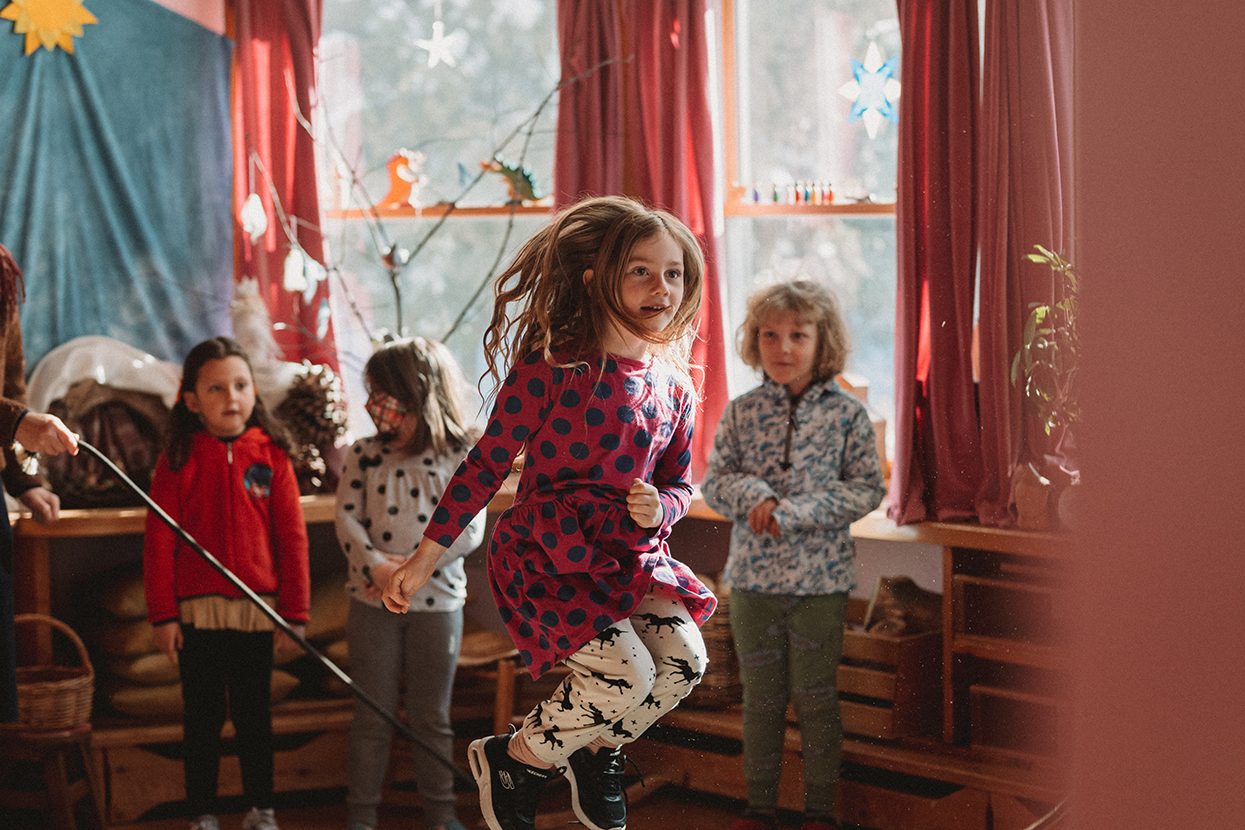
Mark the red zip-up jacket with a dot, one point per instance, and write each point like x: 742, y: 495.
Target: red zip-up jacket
x: 239, y: 500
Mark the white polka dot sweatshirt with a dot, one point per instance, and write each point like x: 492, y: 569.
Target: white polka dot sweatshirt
x: 384, y: 501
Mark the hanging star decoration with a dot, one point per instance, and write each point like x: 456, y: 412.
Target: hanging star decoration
x: 443, y: 48
x: 48, y: 23
x: 874, y: 91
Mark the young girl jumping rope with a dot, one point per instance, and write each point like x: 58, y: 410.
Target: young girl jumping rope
x: 226, y: 478
x: 389, y: 486
x: 794, y: 464
x: 597, y: 323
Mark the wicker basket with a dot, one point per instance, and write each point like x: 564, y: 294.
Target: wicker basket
x: 55, y: 697
x: 720, y: 686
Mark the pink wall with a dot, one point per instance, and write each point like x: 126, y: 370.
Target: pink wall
x: 1160, y: 232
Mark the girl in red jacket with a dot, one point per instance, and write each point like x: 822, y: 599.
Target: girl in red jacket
x: 226, y: 478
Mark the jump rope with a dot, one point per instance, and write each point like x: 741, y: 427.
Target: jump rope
x: 268, y: 611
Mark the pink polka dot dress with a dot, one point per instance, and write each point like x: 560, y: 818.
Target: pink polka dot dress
x: 567, y: 560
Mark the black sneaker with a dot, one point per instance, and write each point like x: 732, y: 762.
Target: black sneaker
x: 596, y: 788
x: 509, y: 790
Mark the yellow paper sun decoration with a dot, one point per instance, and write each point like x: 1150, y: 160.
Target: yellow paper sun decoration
x: 48, y: 23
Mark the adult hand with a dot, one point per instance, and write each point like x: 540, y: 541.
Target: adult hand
x: 168, y: 638
x: 644, y: 505
x: 45, y: 434
x: 44, y: 505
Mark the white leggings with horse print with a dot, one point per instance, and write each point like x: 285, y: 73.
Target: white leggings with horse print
x: 622, y: 682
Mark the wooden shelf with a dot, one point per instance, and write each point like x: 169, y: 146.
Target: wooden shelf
x: 1003, y: 651
x: 437, y: 211
x: 803, y: 209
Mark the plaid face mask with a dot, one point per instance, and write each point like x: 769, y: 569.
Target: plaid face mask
x: 386, y: 412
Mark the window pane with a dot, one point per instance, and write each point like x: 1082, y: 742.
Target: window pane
x: 852, y: 256
x: 436, y: 287
x: 791, y: 61
x: 379, y: 95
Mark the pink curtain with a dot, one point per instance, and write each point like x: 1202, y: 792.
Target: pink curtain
x: 937, y: 467
x: 642, y: 128
x: 1026, y: 154
x: 274, y: 85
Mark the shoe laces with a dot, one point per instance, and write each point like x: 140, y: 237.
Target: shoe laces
x: 607, y: 770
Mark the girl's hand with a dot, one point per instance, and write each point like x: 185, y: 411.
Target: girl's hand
x: 45, y: 506
x: 380, y: 573
x: 411, y: 575
x: 284, y: 642
x: 168, y: 639
x: 762, y: 521
x: 644, y: 505
x: 45, y: 434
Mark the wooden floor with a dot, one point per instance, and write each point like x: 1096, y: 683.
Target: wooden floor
x: 669, y: 807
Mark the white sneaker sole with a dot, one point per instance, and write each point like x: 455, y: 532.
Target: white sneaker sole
x: 478, y: 762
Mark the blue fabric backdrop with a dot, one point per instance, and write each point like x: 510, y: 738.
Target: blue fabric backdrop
x: 115, y: 179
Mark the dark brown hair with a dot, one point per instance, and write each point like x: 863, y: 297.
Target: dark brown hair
x: 424, y: 377
x: 184, y: 423
x: 12, y: 286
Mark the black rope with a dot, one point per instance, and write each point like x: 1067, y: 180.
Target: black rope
x: 279, y: 622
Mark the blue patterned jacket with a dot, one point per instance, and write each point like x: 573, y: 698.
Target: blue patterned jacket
x: 831, y: 478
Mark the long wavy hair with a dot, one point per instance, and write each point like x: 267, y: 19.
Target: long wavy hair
x: 542, y: 302
x: 184, y: 424
x: 424, y: 377
x: 807, y: 302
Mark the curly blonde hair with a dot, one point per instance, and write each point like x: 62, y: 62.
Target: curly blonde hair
x: 541, y: 300
x: 808, y: 302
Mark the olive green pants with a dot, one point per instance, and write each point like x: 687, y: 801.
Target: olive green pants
x: 789, y: 648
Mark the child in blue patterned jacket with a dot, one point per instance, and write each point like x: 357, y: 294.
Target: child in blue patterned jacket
x: 794, y: 464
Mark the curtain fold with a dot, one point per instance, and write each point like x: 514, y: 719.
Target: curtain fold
x: 275, y: 154
x: 937, y: 468
x: 641, y: 127
x: 1026, y: 179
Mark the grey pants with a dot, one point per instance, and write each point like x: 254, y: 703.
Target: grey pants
x: 382, y: 644
x: 789, y: 649
x: 621, y: 682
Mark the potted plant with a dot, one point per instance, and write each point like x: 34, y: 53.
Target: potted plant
x: 1045, y: 368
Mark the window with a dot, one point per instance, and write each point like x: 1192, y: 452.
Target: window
x: 788, y: 79
x: 380, y: 95
x: 785, y: 124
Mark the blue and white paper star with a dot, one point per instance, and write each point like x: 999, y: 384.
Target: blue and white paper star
x: 874, y: 91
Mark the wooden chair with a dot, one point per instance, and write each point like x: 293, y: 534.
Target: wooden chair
x: 489, y: 656
x: 62, y: 758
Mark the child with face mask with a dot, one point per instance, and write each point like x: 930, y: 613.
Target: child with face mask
x: 389, y: 487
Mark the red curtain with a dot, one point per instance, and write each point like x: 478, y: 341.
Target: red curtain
x: 1026, y: 176
x: 641, y: 128
x: 937, y: 467
x: 275, y: 41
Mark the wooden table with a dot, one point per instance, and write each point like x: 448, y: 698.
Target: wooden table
x: 32, y: 551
